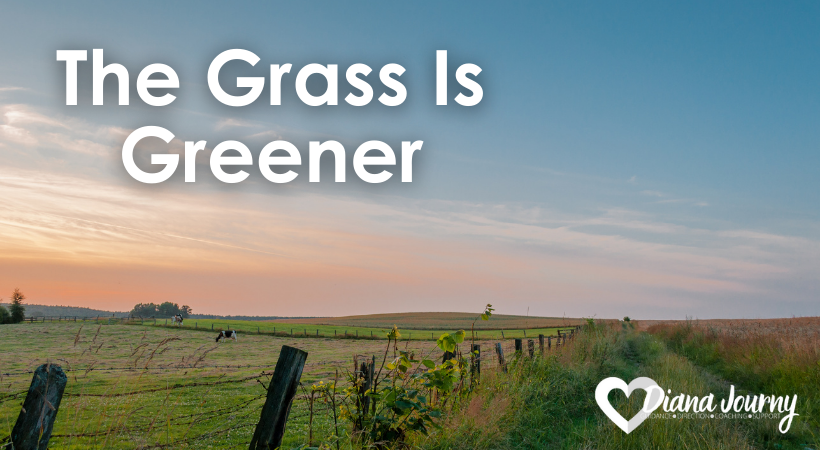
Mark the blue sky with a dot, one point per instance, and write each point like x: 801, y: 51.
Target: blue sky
x: 669, y: 129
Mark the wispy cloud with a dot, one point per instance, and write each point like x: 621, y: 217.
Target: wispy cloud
x: 110, y: 243
x: 234, y: 123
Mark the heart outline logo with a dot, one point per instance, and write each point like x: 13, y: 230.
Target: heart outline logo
x: 654, y: 398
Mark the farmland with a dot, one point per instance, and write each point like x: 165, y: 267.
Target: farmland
x: 146, y: 386
x: 441, y: 321
x: 377, y: 328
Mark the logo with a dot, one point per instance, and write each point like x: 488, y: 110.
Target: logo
x: 654, y: 398
x: 687, y: 406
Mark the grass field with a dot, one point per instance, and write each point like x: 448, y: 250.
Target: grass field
x: 440, y: 321
x: 134, y: 386
x: 145, y: 386
x: 301, y: 328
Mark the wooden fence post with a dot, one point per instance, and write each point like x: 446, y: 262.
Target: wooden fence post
x: 519, y: 346
x: 541, y: 343
x: 549, y: 342
x: 447, y: 356
x: 366, y: 370
x: 475, y: 368
x: 502, y: 335
x: 500, y: 352
x: 373, y: 376
x: 271, y: 427
x: 531, y: 347
x: 33, y: 428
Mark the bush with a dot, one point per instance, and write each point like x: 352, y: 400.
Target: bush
x: 5, y: 317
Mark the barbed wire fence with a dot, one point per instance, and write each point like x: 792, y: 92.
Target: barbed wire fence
x: 210, y: 412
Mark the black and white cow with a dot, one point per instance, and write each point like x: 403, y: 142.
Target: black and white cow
x: 177, y: 319
x: 225, y: 335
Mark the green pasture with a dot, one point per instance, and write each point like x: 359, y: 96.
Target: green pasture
x: 244, y: 327
x: 133, y: 386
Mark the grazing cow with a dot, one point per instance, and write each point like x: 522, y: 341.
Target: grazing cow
x: 177, y: 319
x: 225, y: 335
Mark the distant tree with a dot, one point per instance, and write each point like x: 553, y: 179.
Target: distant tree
x: 168, y: 309
x: 186, y: 311
x: 144, y: 310
x: 17, y: 310
x: 5, y: 317
x: 627, y: 319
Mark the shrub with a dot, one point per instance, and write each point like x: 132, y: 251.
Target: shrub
x: 5, y: 317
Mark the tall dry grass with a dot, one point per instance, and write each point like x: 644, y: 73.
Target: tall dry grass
x: 774, y: 356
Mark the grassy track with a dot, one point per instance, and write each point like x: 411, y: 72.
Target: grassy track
x: 549, y: 403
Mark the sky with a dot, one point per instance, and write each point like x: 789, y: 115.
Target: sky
x: 643, y: 159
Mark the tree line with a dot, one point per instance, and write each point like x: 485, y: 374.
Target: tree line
x: 165, y: 309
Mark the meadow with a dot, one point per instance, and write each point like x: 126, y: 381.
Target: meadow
x: 144, y: 386
x: 133, y: 386
x: 372, y: 327
x: 436, y: 321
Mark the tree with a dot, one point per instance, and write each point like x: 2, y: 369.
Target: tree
x: 168, y: 309
x: 144, y: 310
x: 17, y: 310
x: 5, y: 317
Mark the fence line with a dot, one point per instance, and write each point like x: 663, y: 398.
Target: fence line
x: 142, y: 422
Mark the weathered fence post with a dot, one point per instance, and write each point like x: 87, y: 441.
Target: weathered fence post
x: 271, y: 427
x: 363, y: 403
x: 373, y: 377
x: 549, y: 342
x: 531, y: 347
x: 519, y: 346
x: 502, y: 335
x: 475, y: 368
x: 541, y: 343
x: 33, y: 428
x: 500, y: 352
